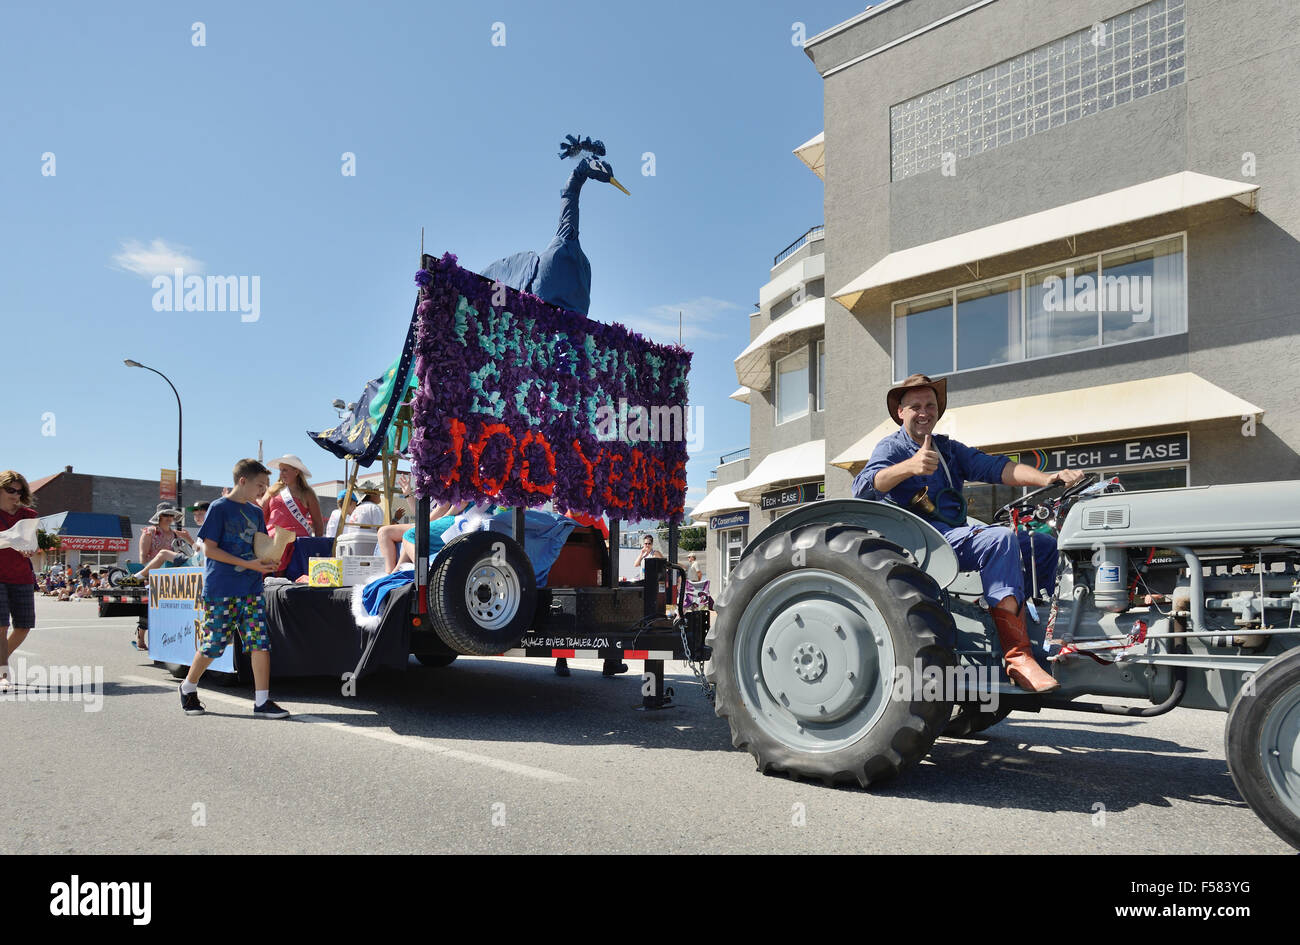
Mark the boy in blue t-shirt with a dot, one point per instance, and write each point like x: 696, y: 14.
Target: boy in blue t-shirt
x: 232, y: 589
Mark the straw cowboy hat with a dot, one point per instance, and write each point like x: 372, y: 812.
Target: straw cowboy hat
x: 289, y: 459
x: 164, y: 508
x: 369, y: 487
x: 895, y: 395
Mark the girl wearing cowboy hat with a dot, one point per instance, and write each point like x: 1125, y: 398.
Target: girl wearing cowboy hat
x: 291, y: 504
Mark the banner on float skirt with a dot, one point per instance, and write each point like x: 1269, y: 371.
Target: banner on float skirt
x: 175, y: 618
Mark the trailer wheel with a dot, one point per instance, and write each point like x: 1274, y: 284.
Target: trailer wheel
x: 436, y: 660
x: 815, y: 628
x: 1262, y: 744
x: 482, y: 593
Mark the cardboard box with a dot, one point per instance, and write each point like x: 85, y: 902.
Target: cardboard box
x: 361, y: 569
x: 325, y: 572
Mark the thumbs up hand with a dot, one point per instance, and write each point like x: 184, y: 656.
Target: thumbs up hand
x: 926, y: 459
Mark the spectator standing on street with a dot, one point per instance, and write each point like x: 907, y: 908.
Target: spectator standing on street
x: 17, y: 579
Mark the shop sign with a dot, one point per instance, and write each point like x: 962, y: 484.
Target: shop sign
x: 87, y: 543
x: 794, y: 495
x: 730, y: 520
x: 1170, y: 448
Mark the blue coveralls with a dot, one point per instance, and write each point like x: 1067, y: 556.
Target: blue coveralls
x: 1000, y: 555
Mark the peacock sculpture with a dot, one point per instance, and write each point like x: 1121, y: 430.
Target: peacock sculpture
x: 561, y: 275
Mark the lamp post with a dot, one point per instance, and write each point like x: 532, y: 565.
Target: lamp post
x: 180, y: 426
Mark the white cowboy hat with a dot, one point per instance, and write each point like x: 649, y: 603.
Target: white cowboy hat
x: 164, y: 508
x: 290, y: 460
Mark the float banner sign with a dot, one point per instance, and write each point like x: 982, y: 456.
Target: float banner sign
x: 167, y: 486
x: 523, y: 403
x: 175, y: 605
x: 1171, y: 448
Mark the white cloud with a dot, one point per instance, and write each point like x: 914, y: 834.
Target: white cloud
x: 156, y: 258
x: 699, y: 316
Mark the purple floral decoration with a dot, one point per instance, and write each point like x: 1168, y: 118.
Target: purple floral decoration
x: 520, y: 402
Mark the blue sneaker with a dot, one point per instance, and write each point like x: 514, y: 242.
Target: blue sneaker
x: 190, y: 702
x: 269, y: 710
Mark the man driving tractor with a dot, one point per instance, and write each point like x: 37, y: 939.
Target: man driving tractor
x: 924, y: 471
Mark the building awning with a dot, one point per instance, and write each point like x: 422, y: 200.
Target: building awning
x: 803, y: 463
x: 754, y: 364
x: 741, y: 394
x: 813, y: 153
x: 86, y: 525
x: 1173, y: 400
x: 719, y: 499
x: 1126, y: 205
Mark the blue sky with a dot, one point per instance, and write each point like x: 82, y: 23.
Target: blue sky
x: 228, y: 156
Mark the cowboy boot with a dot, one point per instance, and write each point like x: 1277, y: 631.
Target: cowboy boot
x: 1022, y: 668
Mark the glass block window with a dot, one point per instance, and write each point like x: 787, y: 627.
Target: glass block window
x: 1110, y: 63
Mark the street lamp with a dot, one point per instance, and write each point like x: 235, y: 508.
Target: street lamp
x: 179, y: 429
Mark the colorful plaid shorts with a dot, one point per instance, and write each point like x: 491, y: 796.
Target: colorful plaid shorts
x: 222, y: 616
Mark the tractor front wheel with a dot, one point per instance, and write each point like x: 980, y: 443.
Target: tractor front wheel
x: 1262, y: 742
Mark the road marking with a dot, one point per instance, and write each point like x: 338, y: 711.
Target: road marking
x: 389, y: 736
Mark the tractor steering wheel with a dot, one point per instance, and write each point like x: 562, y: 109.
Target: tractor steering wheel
x: 1027, y: 501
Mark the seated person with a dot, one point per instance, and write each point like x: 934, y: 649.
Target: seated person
x: 915, y: 459
x: 157, y: 542
x: 395, y: 537
x: 361, y: 531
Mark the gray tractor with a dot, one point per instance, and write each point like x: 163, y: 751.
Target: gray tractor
x: 847, y: 641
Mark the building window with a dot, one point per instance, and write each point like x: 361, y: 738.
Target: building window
x: 821, y: 374
x: 923, y: 336
x: 1105, y: 65
x: 792, y: 386
x: 988, y: 324
x: 1127, y: 294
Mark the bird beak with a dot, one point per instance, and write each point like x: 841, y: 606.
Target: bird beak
x: 615, y: 182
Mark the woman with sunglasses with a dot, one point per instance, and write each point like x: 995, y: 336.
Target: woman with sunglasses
x: 17, y: 579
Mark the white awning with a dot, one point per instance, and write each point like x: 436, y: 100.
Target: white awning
x: 803, y: 463
x: 813, y: 153
x: 720, y: 499
x: 1092, y: 412
x: 741, y: 394
x: 754, y: 365
x: 1164, y: 195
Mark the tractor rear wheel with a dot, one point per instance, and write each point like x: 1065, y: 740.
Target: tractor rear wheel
x: 1262, y: 743
x: 817, y: 628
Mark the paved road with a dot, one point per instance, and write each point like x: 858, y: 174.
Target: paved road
x: 502, y: 756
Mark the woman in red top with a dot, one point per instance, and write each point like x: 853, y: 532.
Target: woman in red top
x: 17, y: 579
x: 291, y: 504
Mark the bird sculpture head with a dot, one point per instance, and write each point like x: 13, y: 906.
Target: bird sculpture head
x: 593, y: 167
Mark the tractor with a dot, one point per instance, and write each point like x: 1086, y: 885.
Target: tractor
x: 847, y: 640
